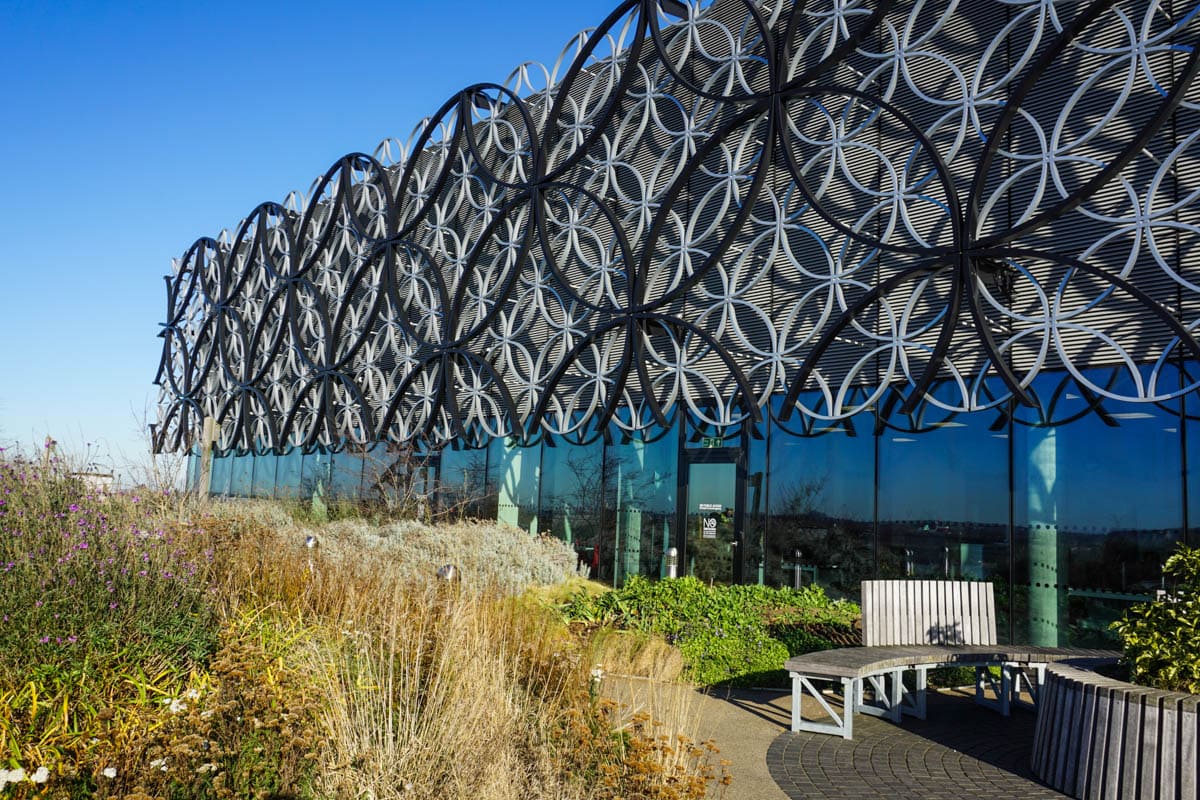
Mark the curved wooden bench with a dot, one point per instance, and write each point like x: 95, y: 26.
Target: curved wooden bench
x: 1097, y: 737
x: 872, y: 679
x: 916, y: 626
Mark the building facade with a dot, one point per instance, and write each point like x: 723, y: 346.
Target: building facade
x: 810, y: 292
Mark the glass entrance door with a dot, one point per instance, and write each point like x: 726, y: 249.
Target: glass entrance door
x: 713, y: 522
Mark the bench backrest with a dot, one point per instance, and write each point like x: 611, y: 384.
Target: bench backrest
x: 928, y: 612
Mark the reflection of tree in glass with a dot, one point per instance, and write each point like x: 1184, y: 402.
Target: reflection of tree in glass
x: 837, y: 548
x: 401, y: 479
x: 587, y: 512
x: 463, y: 489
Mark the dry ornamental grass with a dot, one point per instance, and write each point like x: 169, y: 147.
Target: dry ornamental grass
x: 157, y: 648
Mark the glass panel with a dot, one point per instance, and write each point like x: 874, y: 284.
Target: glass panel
x: 241, y: 478
x: 639, y: 506
x: 376, y: 463
x: 396, y: 475
x: 219, y: 481
x: 347, y: 474
x: 1192, y: 406
x: 287, y: 474
x: 264, y: 475
x: 314, y: 477
x: 711, y: 531
x: 516, y: 472
x: 821, y: 499
x: 943, y: 497
x: 572, y: 493
x: 1097, y: 509
x: 462, y: 488
x: 755, y: 512
x: 193, y: 471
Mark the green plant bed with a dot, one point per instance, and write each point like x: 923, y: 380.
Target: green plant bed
x: 727, y: 635
x: 1162, y: 639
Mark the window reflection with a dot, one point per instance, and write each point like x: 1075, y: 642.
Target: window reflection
x: 264, y: 475
x: 516, y: 471
x: 347, y: 473
x: 241, y: 475
x: 821, y: 489
x: 943, y: 495
x: 463, y: 489
x: 572, y: 495
x: 193, y: 469
x: 222, y: 466
x: 1192, y: 407
x: 755, y: 513
x: 314, y: 475
x: 1097, y: 509
x: 396, y: 475
x: 287, y: 474
x: 640, y: 502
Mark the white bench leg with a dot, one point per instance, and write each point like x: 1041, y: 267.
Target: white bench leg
x: 1003, y: 690
x: 839, y: 724
x: 888, y: 690
x: 797, y: 692
x: 848, y: 689
x: 913, y: 703
x: 1019, y: 677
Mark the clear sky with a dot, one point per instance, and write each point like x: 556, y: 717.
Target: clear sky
x: 128, y: 130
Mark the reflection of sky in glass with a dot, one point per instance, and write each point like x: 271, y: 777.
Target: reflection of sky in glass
x: 1112, y: 473
x: 1120, y: 476
x: 569, y: 471
x: 957, y: 472
x: 1193, y: 462
x: 219, y: 479
x: 834, y: 472
x: 647, y: 472
x: 831, y: 474
x: 241, y: 478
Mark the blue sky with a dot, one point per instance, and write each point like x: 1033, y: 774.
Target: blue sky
x: 128, y: 130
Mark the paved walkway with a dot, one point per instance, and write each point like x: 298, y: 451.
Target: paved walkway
x: 960, y: 751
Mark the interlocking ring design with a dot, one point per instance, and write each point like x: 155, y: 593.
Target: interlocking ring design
x: 699, y: 207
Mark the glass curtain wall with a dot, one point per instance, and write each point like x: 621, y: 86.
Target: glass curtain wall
x: 821, y: 500
x: 516, y: 471
x: 241, y: 475
x: 943, y: 495
x: 222, y: 468
x: 1070, y: 509
x: 346, y: 476
x: 571, y: 504
x: 1097, y: 508
x: 463, y: 486
x: 265, y: 475
x: 640, y: 499
x: 288, y: 468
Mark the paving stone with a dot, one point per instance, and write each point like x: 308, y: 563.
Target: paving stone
x: 960, y: 751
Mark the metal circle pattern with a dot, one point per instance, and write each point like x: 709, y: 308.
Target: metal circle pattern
x: 700, y: 207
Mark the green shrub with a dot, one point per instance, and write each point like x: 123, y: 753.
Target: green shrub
x: 738, y: 635
x: 1162, y: 638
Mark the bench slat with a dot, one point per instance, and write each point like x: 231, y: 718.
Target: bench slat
x: 923, y: 612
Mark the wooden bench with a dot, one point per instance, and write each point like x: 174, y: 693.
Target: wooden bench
x: 912, y: 627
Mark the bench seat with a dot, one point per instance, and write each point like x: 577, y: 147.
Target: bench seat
x: 873, y: 679
x: 860, y: 662
x: 911, y: 627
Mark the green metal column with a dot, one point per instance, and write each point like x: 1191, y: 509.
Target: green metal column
x: 1045, y: 596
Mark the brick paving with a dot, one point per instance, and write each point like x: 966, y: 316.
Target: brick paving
x: 960, y: 751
